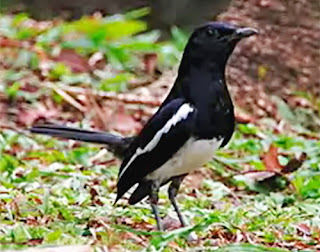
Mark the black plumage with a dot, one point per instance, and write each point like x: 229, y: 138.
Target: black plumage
x: 195, y: 119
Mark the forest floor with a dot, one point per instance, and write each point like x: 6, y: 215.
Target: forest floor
x: 260, y: 193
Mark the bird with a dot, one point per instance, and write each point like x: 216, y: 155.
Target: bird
x: 195, y: 119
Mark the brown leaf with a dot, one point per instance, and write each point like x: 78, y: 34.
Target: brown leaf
x: 150, y: 63
x: 259, y: 175
x: 34, y: 242
x: 93, y: 192
x: 270, y: 159
x: 134, y: 238
x: 242, y: 117
x: 32, y: 221
x: 72, y: 59
x: 124, y: 123
x: 38, y: 201
x: 294, y: 164
x: 3, y: 112
x: 304, y: 229
x: 170, y: 223
x: 97, y: 201
x: 30, y: 116
x: 195, y: 179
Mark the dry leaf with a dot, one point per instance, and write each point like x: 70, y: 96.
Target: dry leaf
x: 76, y: 62
x: 294, y: 164
x: 124, y: 123
x: 150, y: 63
x: 270, y: 159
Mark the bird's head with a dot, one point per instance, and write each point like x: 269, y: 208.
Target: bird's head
x: 215, y: 41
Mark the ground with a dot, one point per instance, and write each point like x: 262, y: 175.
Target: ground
x: 260, y: 192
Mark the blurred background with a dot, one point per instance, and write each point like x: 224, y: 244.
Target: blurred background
x: 107, y: 65
x: 283, y: 60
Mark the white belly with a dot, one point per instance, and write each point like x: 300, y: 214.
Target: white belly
x: 192, y: 155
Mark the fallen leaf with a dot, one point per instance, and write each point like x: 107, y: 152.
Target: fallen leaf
x: 124, y: 123
x: 93, y: 192
x: 306, y: 230
x: 150, y: 63
x: 270, y: 159
x: 34, y: 242
x: 259, y: 175
x: 76, y: 62
x: 294, y: 164
x: 170, y: 223
x: 30, y: 116
x: 242, y: 117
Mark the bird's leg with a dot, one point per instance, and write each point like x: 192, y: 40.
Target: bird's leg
x: 172, y: 192
x: 154, y: 203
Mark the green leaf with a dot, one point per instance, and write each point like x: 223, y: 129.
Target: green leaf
x: 19, y: 18
x: 20, y: 234
x: 8, y: 163
x: 117, y: 83
x: 67, y: 214
x: 26, y: 33
x: 138, y: 13
x: 59, y: 70
x: 308, y: 186
x: 52, y: 237
x: 249, y: 129
x: 12, y: 90
x: 249, y: 248
x: 180, y: 38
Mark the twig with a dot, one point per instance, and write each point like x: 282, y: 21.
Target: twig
x: 100, y: 154
x: 69, y: 98
x: 14, y: 128
x: 98, y: 111
x: 140, y: 83
x: 125, y: 98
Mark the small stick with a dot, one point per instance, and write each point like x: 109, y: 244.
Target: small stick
x: 69, y: 99
x: 125, y: 98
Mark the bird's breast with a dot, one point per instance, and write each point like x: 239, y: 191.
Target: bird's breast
x: 193, y: 154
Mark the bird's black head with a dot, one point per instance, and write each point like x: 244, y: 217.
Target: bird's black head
x: 214, y: 42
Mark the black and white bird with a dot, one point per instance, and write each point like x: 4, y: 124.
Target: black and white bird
x: 195, y: 119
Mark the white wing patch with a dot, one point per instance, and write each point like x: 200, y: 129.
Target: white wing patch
x: 181, y: 114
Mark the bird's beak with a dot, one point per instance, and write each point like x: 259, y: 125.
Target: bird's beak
x: 244, y: 32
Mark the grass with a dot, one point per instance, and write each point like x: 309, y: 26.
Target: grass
x: 55, y: 192
x: 52, y: 193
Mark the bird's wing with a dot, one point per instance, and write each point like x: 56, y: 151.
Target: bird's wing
x: 159, y: 140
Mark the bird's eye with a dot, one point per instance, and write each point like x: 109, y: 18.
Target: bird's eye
x: 212, y: 32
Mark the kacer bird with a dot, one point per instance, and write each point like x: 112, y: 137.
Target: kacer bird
x: 196, y: 118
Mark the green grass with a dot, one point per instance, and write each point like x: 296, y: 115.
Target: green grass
x: 57, y: 196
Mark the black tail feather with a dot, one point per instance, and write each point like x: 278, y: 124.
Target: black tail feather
x: 140, y: 193
x: 116, y: 144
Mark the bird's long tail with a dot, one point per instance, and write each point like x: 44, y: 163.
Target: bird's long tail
x: 116, y: 144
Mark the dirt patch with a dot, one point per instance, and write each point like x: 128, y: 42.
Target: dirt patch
x: 284, y: 58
